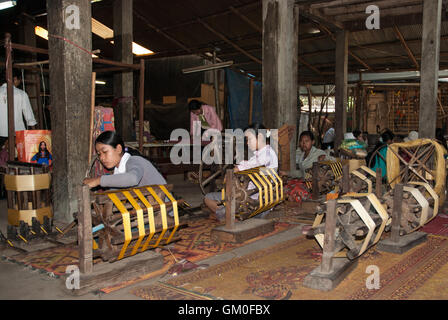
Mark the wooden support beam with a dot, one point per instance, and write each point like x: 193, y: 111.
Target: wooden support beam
x: 163, y: 33
x: 85, y: 237
x: 123, y: 88
x: 246, y: 19
x: 329, y: 238
x: 253, y: 4
x: 384, y: 13
x: 396, y: 212
x: 309, y: 65
x: 331, y: 35
x: 361, y: 7
x: 406, y: 47
x: 230, y: 200
x: 10, y: 98
x: 223, y: 37
x: 141, y: 104
x: 432, y: 10
x: 334, y: 3
x: 341, y: 77
x: 315, y: 16
x: 70, y: 82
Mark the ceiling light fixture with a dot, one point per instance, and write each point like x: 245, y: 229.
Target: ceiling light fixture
x: 102, y: 31
x: 208, y: 67
x: 7, y: 4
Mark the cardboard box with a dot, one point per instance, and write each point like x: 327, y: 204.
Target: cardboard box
x: 169, y: 99
x: 28, y: 142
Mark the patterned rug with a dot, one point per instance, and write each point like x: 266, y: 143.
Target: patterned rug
x: 437, y: 226
x: 195, y: 245
x: 53, y: 260
x: 277, y: 273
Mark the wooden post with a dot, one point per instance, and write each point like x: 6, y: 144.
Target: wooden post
x: 10, y: 98
x: 216, y: 87
x: 315, y: 173
x: 141, y: 99
x: 85, y: 240
x: 310, y: 104
x: 92, y: 116
x: 378, y: 185
x: 123, y: 81
x: 341, y: 87
x: 70, y: 83
x: 329, y: 238
x: 396, y: 212
x: 429, y: 68
x: 345, y: 179
x: 230, y: 200
x: 280, y: 65
x: 251, y: 99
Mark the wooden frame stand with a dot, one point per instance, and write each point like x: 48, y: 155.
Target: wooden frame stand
x: 104, y: 274
x: 238, y: 232
x: 396, y: 243
x: 331, y: 270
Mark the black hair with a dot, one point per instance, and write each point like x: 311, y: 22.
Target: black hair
x: 2, y: 76
x: 387, y: 135
x: 357, y: 133
x: 111, y: 138
x: 441, y: 137
x: 46, y: 152
x: 195, y: 104
x: 307, y: 133
x: 257, y: 128
x: 16, y: 73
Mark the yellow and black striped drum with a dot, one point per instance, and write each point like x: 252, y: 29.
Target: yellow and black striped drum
x: 28, y: 193
x: 131, y: 221
x: 256, y: 190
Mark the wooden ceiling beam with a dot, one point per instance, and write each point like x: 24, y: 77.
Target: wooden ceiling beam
x: 361, y: 8
x: 149, y: 24
x: 406, y: 47
x: 332, y: 37
x: 384, y: 13
x: 233, y: 44
x: 334, y: 3
x: 214, y: 15
x: 246, y: 19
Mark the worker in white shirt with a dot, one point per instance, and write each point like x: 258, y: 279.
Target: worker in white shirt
x: 22, y: 107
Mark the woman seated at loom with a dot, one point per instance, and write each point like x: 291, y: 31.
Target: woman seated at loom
x: 129, y: 170
x: 264, y: 155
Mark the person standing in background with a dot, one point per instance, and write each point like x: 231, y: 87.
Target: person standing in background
x: 207, y: 116
x: 22, y: 107
x: 328, y: 140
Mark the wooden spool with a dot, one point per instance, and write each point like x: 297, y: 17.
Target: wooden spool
x: 28, y: 193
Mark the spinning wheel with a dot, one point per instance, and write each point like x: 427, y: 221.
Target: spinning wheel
x: 421, y: 160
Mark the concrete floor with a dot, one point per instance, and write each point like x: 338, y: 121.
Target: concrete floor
x: 18, y: 282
